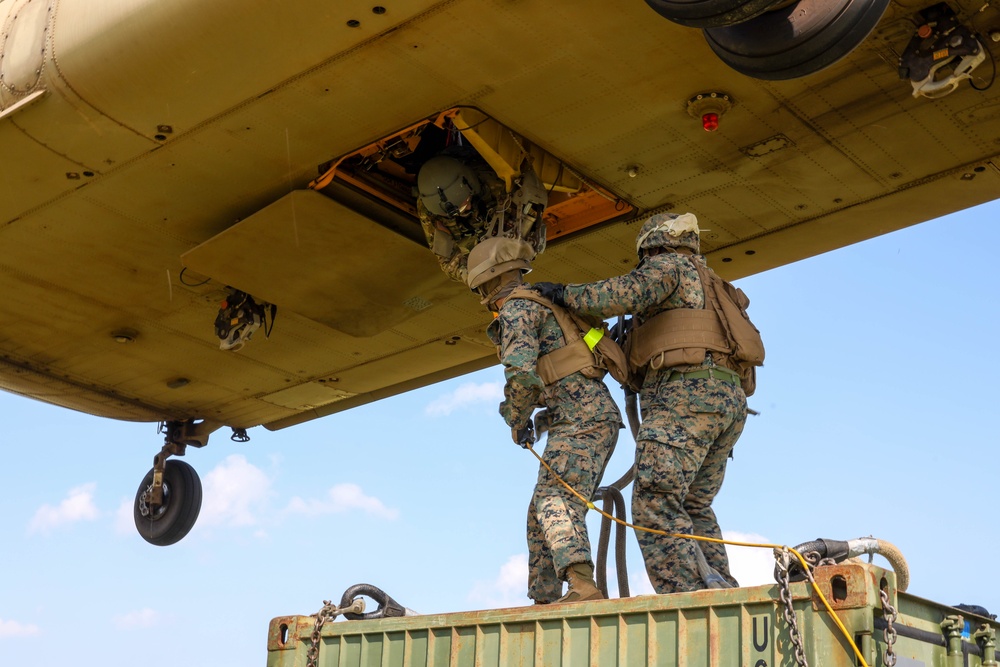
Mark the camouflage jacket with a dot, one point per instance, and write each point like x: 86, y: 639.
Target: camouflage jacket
x: 463, y: 237
x: 659, y: 283
x: 523, y: 331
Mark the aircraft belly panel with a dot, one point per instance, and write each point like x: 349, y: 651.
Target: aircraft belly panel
x: 253, y: 99
x: 307, y: 396
x: 82, y: 135
x: 25, y: 381
x: 30, y: 174
x: 194, y: 60
x: 311, y: 255
x: 413, y: 363
x: 912, y: 203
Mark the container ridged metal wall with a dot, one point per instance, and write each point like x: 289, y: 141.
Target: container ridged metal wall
x: 719, y: 628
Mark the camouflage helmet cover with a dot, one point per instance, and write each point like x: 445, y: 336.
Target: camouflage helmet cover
x: 668, y: 230
x: 495, y: 256
x: 447, y: 185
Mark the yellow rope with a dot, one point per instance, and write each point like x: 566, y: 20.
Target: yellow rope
x: 802, y: 560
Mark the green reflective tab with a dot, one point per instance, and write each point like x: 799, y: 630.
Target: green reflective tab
x: 593, y: 337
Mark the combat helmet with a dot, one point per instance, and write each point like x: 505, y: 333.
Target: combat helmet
x: 668, y: 230
x: 447, y: 186
x: 497, y: 256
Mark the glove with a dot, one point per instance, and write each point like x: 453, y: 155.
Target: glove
x: 551, y: 291
x: 524, y: 435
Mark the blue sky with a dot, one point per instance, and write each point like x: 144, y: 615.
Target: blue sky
x: 878, y: 408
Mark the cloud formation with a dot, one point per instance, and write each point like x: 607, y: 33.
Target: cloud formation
x: 508, y: 589
x: 751, y: 566
x: 77, y: 506
x: 15, y: 629
x: 343, y: 498
x: 466, y: 395
x: 142, y: 618
x: 125, y: 517
x: 234, y: 493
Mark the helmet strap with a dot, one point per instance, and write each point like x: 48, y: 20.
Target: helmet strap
x: 505, y: 284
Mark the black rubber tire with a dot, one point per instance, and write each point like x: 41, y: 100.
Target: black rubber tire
x: 797, y: 40
x: 181, y: 505
x: 710, y: 13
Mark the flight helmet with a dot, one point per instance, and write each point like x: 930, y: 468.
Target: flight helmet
x: 447, y: 186
x: 668, y: 230
x: 497, y: 256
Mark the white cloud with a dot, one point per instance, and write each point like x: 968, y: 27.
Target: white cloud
x: 638, y: 583
x: 143, y: 618
x: 234, y: 492
x: 466, y: 395
x: 15, y: 629
x: 125, y: 517
x: 751, y: 566
x: 342, y: 498
x: 77, y: 506
x: 508, y: 589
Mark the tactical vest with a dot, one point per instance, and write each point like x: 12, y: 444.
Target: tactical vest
x: 683, y: 336
x: 589, y: 349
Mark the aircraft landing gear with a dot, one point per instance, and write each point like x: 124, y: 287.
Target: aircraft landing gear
x: 168, y: 500
x: 777, y: 40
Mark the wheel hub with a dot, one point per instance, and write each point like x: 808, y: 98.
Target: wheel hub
x: 152, y: 512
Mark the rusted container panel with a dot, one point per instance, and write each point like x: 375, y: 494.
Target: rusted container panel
x: 718, y: 628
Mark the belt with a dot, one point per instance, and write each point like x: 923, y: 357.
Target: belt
x: 716, y: 372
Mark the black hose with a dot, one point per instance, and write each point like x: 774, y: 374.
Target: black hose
x: 612, y: 497
x: 838, y: 550
x: 632, y: 416
x: 387, y: 607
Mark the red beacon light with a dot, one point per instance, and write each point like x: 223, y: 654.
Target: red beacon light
x: 709, y: 108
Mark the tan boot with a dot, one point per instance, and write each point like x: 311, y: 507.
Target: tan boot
x: 581, y: 584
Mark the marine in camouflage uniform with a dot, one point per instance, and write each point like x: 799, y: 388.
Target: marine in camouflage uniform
x: 453, y: 259
x: 691, y: 418
x: 584, y: 424
x: 456, y: 195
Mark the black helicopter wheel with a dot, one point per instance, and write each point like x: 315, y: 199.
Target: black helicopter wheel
x: 710, y: 13
x: 796, y: 40
x: 174, y: 518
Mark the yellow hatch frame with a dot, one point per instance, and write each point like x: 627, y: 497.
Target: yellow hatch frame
x: 574, y: 203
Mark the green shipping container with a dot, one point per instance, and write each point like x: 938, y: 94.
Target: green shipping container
x: 718, y: 628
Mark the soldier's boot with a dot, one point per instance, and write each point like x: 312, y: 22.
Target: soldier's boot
x: 582, y: 588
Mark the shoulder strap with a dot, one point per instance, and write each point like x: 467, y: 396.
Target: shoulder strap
x: 589, y: 347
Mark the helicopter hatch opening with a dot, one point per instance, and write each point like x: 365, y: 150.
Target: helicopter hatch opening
x: 386, y: 172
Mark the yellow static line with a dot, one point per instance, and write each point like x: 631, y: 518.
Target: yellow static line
x: 802, y: 560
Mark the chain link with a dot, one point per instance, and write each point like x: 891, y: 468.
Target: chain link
x: 783, y: 559
x: 327, y: 613
x: 889, y: 634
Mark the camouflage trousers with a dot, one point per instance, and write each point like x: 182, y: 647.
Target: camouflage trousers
x: 557, y: 527
x: 681, y: 462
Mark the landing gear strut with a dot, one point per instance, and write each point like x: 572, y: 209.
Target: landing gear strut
x: 168, y: 500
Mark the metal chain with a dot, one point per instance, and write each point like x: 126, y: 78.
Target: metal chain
x: 327, y: 613
x: 785, y: 593
x: 889, y: 634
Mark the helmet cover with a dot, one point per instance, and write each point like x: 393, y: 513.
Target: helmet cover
x: 668, y: 230
x: 495, y: 256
